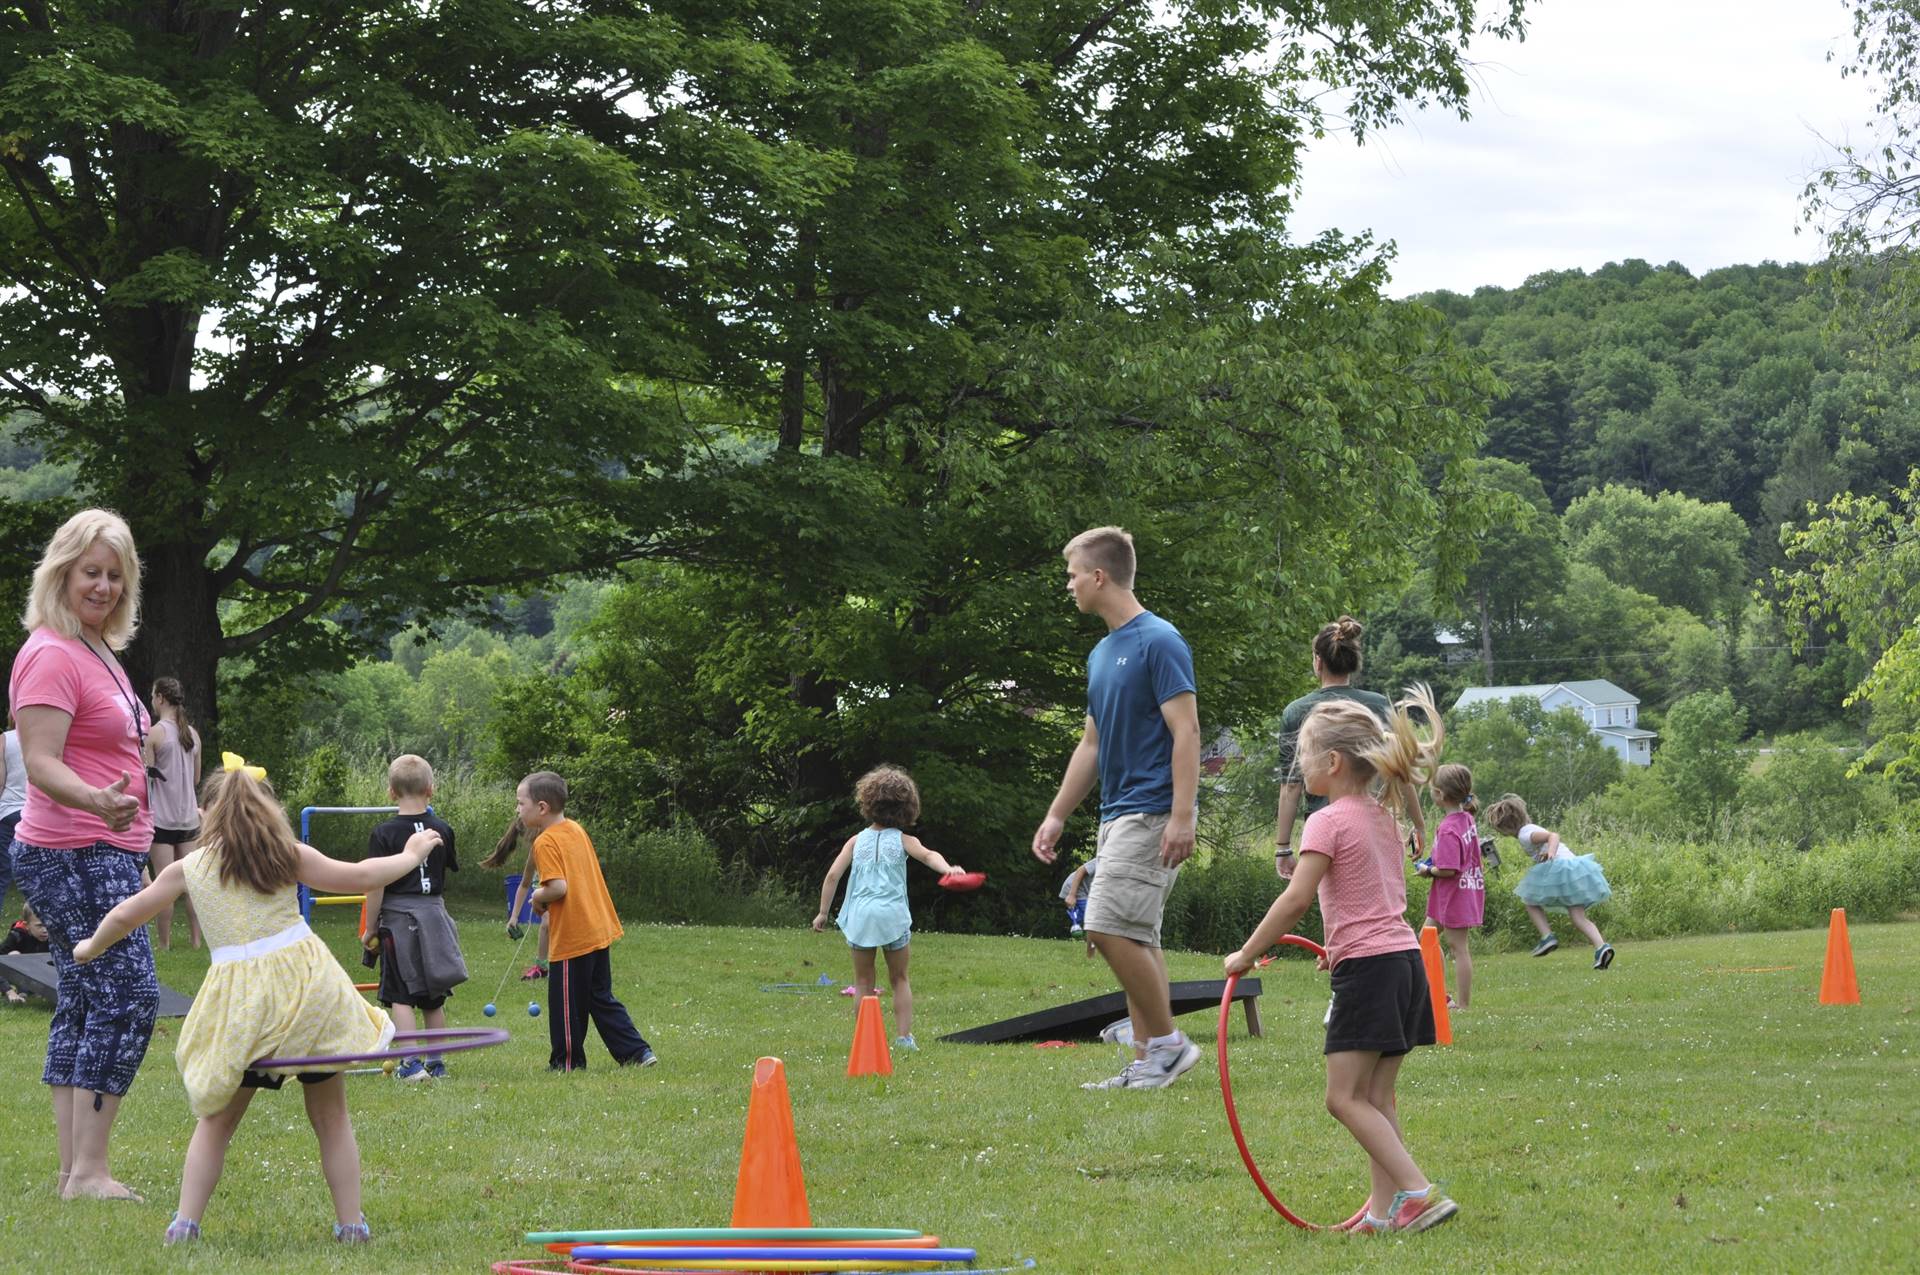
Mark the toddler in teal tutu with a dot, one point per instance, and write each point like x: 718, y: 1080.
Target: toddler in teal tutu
x: 1559, y: 878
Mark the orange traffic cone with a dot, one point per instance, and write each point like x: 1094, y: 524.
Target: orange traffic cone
x: 1838, y: 986
x: 770, y: 1190
x: 869, y: 1055
x: 1436, y: 983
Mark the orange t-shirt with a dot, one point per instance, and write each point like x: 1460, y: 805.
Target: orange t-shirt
x: 584, y: 920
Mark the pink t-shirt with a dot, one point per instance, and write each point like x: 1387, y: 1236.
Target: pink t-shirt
x: 60, y: 672
x: 1363, y: 896
x: 1457, y: 903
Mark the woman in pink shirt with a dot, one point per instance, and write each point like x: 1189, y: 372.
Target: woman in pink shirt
x: 84, y: 832
x: 1350, y: 860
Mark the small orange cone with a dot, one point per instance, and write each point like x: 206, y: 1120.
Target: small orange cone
x: 869, y: 1055
x: 1436, y: 983
x: 770, y: 1190
x: 1838, y: 986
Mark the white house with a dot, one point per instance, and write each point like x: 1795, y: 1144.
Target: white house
x: 1610, y: 712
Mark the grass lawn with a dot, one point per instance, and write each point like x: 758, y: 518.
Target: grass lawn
x: 1692, y: 1109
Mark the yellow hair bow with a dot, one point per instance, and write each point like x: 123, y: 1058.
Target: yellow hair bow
x: 234, y: 761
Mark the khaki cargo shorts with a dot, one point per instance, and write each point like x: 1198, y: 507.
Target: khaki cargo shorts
x: 1130, y: 887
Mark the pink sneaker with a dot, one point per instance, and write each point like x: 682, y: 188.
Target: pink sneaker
x: 1425, y: 1213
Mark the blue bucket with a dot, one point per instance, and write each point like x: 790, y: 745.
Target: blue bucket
x: 526, y: 908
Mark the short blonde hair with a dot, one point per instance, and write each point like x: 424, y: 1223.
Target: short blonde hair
x: 1108, y: 548
x: 47, y: 603
x: 410, y: 775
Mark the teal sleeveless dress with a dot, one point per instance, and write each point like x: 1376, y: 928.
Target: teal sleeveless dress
x: 875, y: 913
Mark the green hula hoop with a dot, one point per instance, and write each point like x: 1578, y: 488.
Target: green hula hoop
x: 726, y: 1233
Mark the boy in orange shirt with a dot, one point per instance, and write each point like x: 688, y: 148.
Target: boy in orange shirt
x: 581, y: 927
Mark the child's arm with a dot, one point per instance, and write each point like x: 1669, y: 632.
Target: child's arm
x: 835, y: 871
x: 549, y: 892
x: 1544, y: 837
x: 318, y: 872
x: 370, y: 937
x: 1074, y: 881
x: 1284, y: 914
x: 130, y: 914
x: 1446, y: 857
x: 929, y: 856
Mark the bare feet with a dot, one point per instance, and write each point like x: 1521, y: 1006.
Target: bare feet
x: 99, y: 1189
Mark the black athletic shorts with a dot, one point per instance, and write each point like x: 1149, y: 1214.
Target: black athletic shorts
x: 1380, y: 1005
x: 251, y: 1079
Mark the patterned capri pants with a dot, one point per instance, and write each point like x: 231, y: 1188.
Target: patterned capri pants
x: 103, y: 1018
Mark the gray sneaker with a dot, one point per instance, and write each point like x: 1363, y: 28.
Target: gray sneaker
x: 1545, y: 945
x: 1169, y: 1063
x: 1134, y: 1077
x: 1119, y: 1032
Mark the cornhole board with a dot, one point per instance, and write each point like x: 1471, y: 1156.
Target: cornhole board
x: 1082, y: 1020
x: 33, y: 973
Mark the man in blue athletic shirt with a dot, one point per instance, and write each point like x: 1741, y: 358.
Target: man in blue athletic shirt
x: 1141, y: 743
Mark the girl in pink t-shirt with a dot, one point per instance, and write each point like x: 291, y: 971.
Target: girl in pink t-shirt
x: 1350, y: 860
x: 1457, y: 900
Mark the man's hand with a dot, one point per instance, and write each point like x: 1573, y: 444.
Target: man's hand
x: 1046, y: 837
x: 1176, y: 843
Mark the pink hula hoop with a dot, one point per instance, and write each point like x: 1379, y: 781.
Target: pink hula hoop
x: 442, y: 1040
x: 1233, y: 1116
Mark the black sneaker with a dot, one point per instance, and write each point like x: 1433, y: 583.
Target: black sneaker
x: 1546, y: 945
x: 1603, y: 956
x: 645, y: 1058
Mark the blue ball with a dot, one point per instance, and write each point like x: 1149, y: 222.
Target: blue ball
x: 489, y: 1011
x: 533, y: 1008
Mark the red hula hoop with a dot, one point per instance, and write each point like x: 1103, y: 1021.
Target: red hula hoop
x: 1233, y: 1116
x: 442, y: 1040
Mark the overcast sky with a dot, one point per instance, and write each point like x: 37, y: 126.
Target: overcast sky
x: 1670, y: 130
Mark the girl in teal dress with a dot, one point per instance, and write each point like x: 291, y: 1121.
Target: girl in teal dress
x: 875, y: 914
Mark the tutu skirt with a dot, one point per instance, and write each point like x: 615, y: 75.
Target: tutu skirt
x: 1565, y: 883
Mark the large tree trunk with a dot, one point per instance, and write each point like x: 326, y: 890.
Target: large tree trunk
x: 179, y: 633
x: 1486, y: 637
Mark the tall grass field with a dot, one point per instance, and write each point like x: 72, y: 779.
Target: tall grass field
x: 1692, y: 1109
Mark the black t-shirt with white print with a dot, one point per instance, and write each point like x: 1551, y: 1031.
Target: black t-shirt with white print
x: 430, y: 878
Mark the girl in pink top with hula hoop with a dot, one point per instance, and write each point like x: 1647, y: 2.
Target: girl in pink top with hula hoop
x: 1350, y: 859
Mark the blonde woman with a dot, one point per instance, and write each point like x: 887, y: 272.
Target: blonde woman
x: 84, y: 832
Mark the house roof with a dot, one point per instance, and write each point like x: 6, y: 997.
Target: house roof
x: 1599, y: 693
x: 1626, y: 732
x: 1484, y: 694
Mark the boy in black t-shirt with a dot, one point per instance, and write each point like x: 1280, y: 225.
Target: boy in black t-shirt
x: 420, y: 961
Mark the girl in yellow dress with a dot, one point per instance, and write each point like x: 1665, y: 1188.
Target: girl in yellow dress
x: 274, y: 989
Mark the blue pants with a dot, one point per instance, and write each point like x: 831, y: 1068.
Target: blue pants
x: 7, y: 826
x: 580, y: 989
x: 103, y: 1017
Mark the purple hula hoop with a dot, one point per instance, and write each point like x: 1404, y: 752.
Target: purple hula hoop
x: 443, y: 1040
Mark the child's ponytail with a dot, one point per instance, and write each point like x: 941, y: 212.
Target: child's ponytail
x: 508, y: 841
x: 1404, y: 757
x: 1471, y: 805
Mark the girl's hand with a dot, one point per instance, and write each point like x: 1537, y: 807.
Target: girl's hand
x: 954, y: 870
x: 1238, y: 963
x: 819, y: 922
x: 423, y: 843
x: 87, y: 949
x: 1320, y: 962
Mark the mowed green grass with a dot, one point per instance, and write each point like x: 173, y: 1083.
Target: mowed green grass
x: 1692, y: 1109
